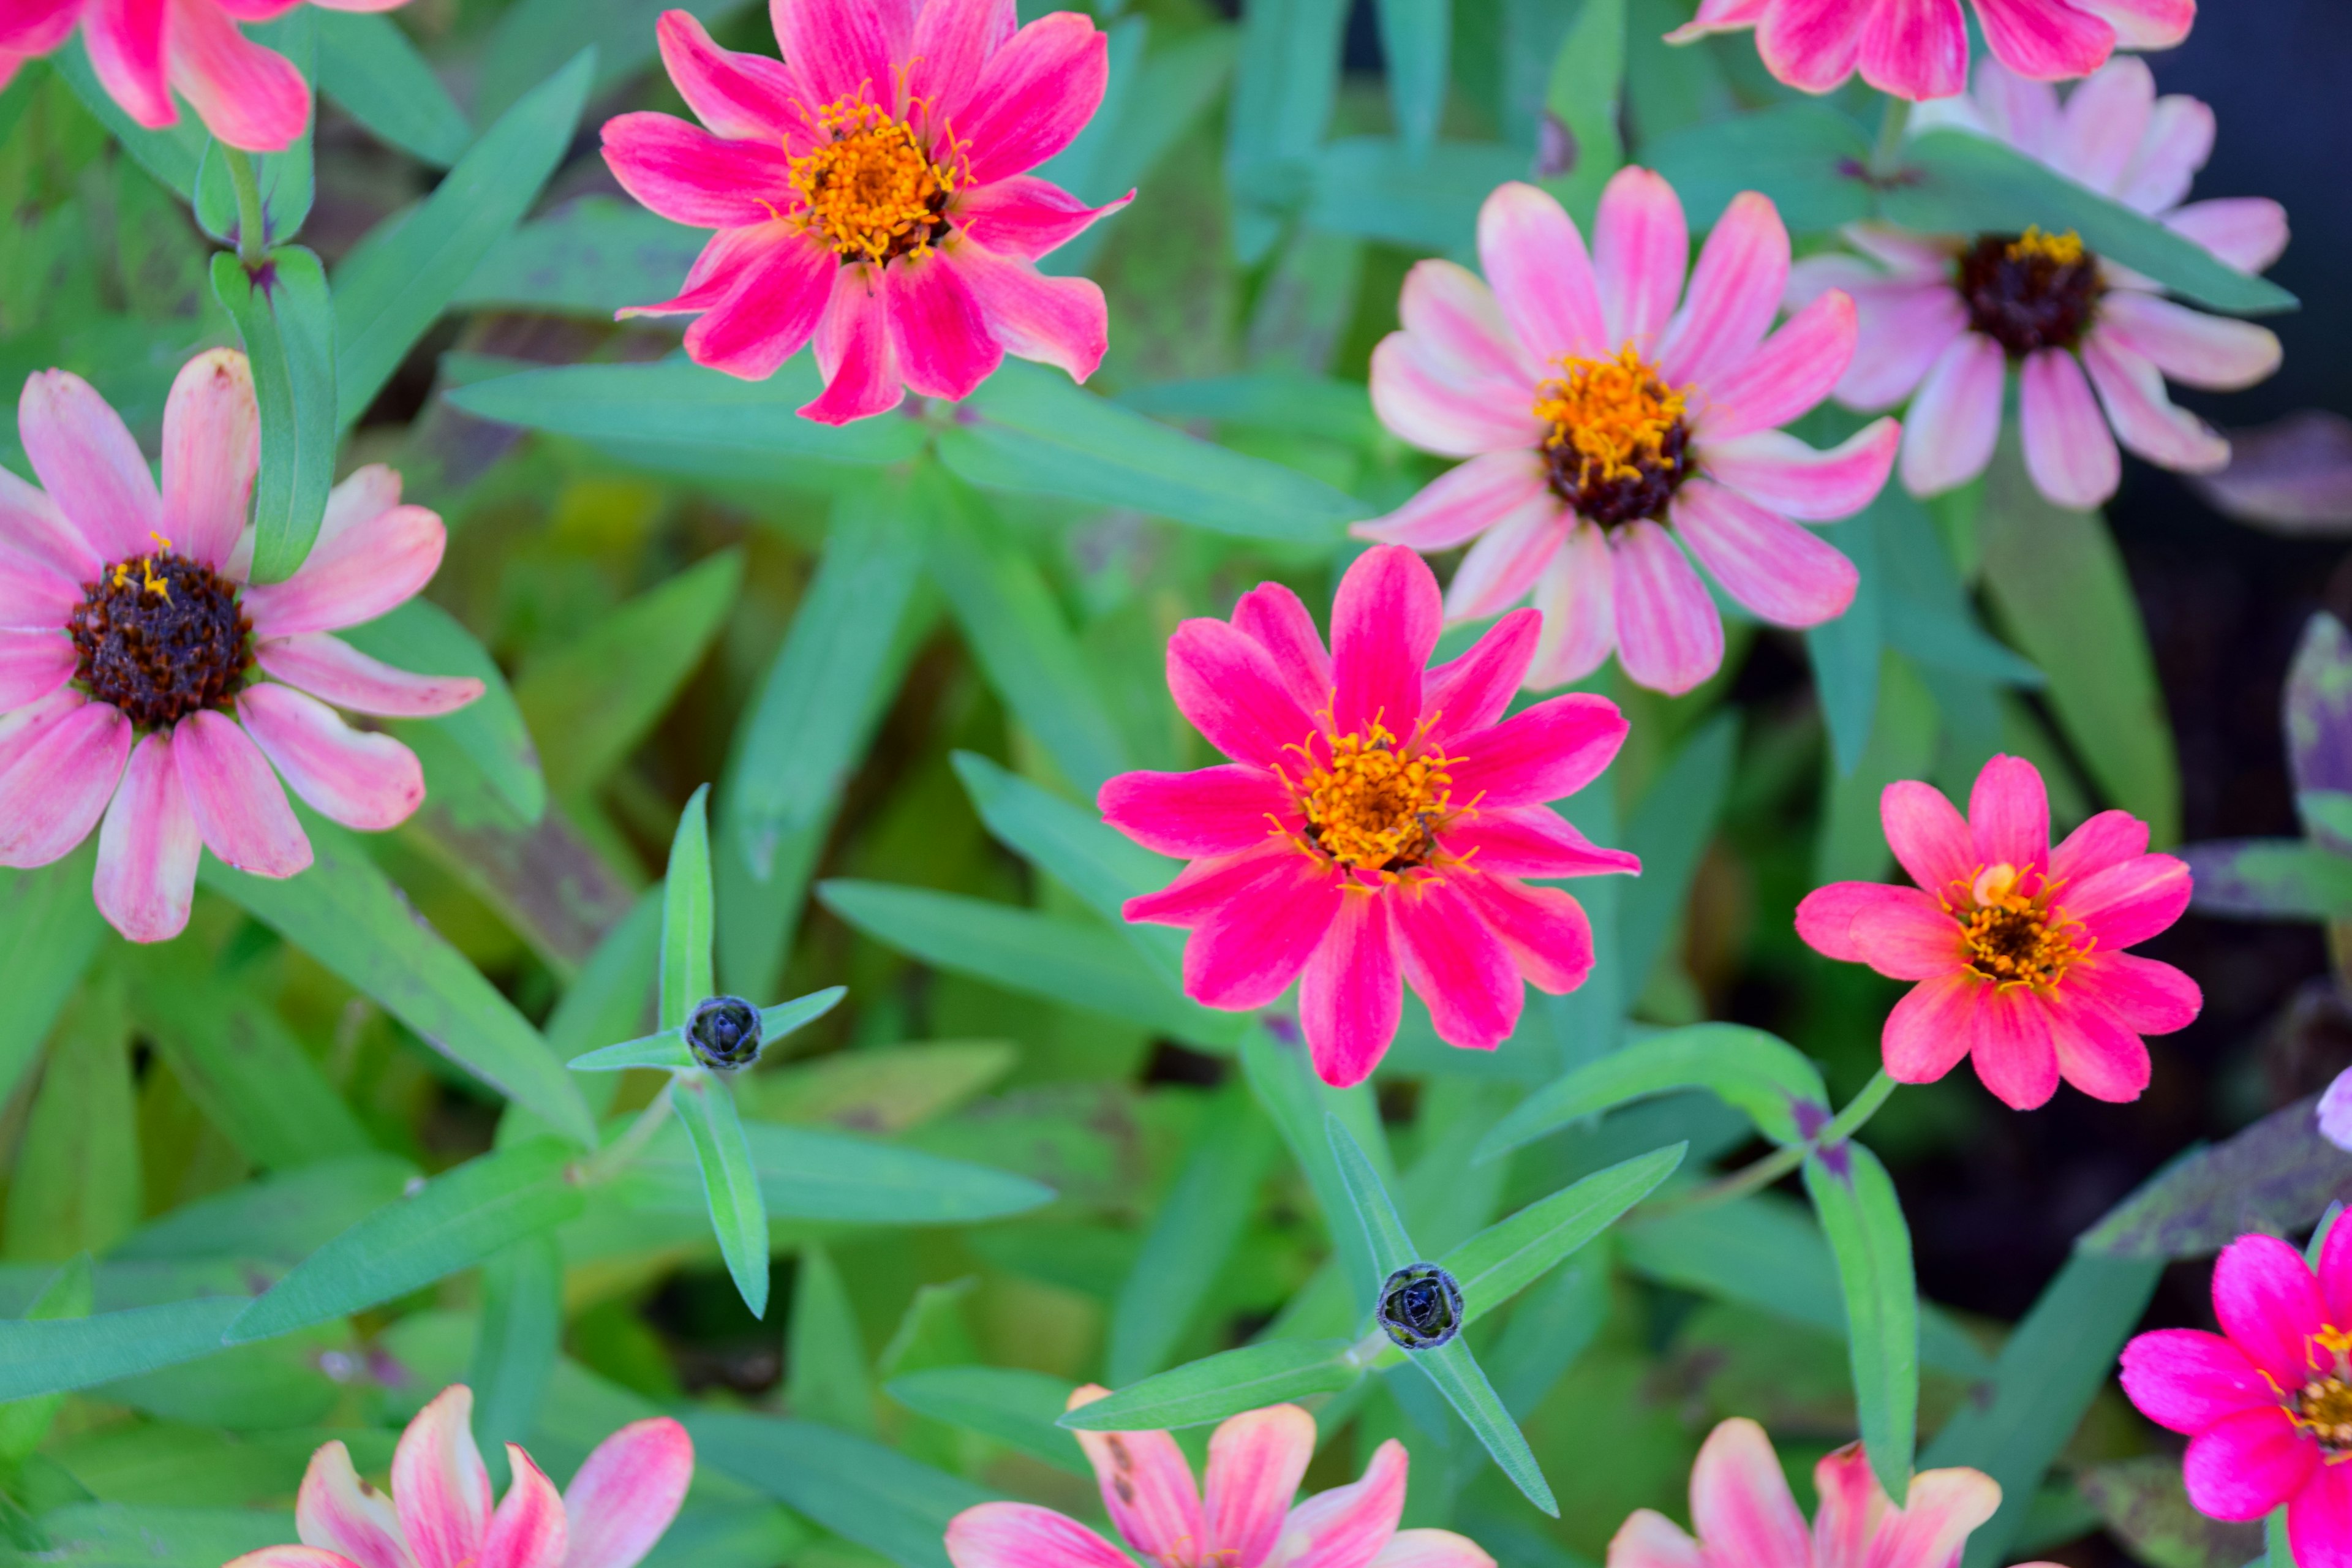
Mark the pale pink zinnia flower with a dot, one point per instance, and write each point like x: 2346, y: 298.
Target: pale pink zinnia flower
x: 1612, y: 422
x: 871, y: 190
x: 2018, y: 948
x: 1375, y: 824
x: 1745, y: 1517
x: 439, y: 1513
x: 145, y: 50
x: 1245, y: 1521
x: 1919, y: 48
x: 144, y: 680
x: 1945, y: 318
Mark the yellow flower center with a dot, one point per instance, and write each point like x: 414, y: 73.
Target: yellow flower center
x: 2038, y: 243
x: 1373, y: 807
x: 1617, y: 444
x: 2010, y: 935
x: 2324, y: 1409
x: 872, y: 191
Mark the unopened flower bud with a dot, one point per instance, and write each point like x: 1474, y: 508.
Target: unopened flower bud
x: 725, y: 1033
x: 1421, y: 1307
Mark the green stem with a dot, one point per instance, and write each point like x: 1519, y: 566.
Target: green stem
x: 252, y: 216
x: 1858, y: 1110
x: 1887, y: 158
x: 1755, y: 1178
x: 614, y: 1157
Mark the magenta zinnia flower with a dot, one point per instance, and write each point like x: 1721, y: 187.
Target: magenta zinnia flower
x: 144, y: 680
x: 1605, y: 425
x: 1944, y: 319
x: 2018, y: 948
x: 439, y: 1513
x: 1745, y: 1517
x: 145, y: 50
x: 1375, y: 824
x: 1919, y: 48
x: 2267, y: 1403
x: 1247, y: 1520
x: 872, y: 190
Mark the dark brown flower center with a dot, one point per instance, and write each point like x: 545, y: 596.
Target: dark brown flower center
x: 2029, y: 292
x: 1617, y: 446
x: 161, y: 636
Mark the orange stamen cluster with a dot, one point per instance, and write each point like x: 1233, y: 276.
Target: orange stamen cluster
x: 872, y: 190
x: 1374, y: 806
x: 2323, y: 1405
x: 1614, y: 416
x: 2012, y: 935
x: 2037, y: 244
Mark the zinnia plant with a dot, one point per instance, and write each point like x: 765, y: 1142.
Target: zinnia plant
x: 1376, y: 819
x: 873, y: 192
x: 1614, y: 421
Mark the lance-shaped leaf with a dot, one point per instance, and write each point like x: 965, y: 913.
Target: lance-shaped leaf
x: 42, y: 1356
x: 367, y: 65
x: 171, y: 154
x: 24, y: 1422
x: 287, y: 323
x: 1226, y: 1383
x: 452, y: 1222
x: 688, y: 920
x: 2270, y: 879
x: 1415, y: 39
x: 862, y: 1491
x: 2274, y: 1176
x: 590, y: 257
x: 1019, y: 1408
x: 1579, y: 145
x: 812, y: 1175
x: 669, y: 1049
x: 1863, y: 1218
x: 518, y: 1344
x: 729, y: 1181
x: 1512, y: 1254
x: 1299, y: 1102
x: 49, y: 931
x: 1747, y: 1068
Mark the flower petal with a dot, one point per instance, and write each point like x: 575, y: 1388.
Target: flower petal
x: 1453, y: 316
x: 2244, y: 1466
x: 34, y: 526
x: 1036, y: 94
x: 357, y: 577
x: 1543, y: 280
x: 2124, y: 905
x: 2013, y: 1047
x: 1023, y: 1535
x: 2103, y: 122
x: 1734, y: 291
x: 1532, y: 841
x: 1024, y: 216
x: 363, y: 496
x: 2270, y: 1305
x: 1441, y: 410
x: 1471, y: 692
x: 330, y: 669
x: 1930, y: 1031
x: 1540, y: 753
x: 34, y: 596
x: 2096, y: 1053
x: 1943, y: 1508
x: 2319, y: 1519
x: 240, y: 808
x: 1462, y: 502
x: 1275, y: 618
x: 1351, y: 994
x: 1640, y: 247
x: 1577, y: 595
x: 289, y: 1557
x: 1669, y: 636
x: 1545, y: 930
x: 1209, y: 811
x: 2008, y: 814
x: 89, y: 464
x: 691, y: 176
x: 1147, y: 1486
x: 1247, y: 953
x: 20, y: 728
x: 1776, y: 569
x: 718, y: 270
x: 2189, y: 346
x: 2110, y: 839
x: 953, y: 40
x: 1906, y: 935
x: 36, y: 26
x: 1825, y: 916
x: 363, y: 779
x: 438, y: 1484
x: 774, y: 297
x: 1812, y: 45
x: 2179, y: 138
x: 853, y: 349
x: 528, y: 1530
x: 1929, y: 838
x: 2151, y: 997
x: 212, y: 450
x: 125, y: 38
x: 2145, y: 418
x: 1902, y: 328
x: 1782, y: 474
x: 1061, y: 321
x: 2049, y: 40
x: 1854, y: 1506
x: 837, y: 48
x: 2068, y: 448
x: 1226, y: 683
x: 57, y: 786
x: 1916, y: 49
x: 742, y: 97
x: 1790, y: 372
x: 32, y: 664
x: 1650, y: 1540
x: 1741, y: 1503
x: 1431, y: 1549
x: 1458, y: 967
x: 147, y: 852
x: 249, y: 96
x: 1201, y: 890
x: 1955, y: 419
x: 2018, y: 109
x: 340, y: 1512
x: 2187, y: 1379
x: 627, y: 1492
x: 937, y: 335
x: 2249, y: 233
x: 1385, y: 622
x: 1499, y: 569
x: 1255, y: 1462
x: 1348, y: 1526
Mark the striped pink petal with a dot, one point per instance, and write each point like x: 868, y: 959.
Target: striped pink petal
x: 1442, y: 409
x: 33, y: 663
x: 1669, y: 635
x: 1777, y: 570
x: 1024, y: 216
x: 240, y: 807
x: 1931, y: 1029
x: 1351, y: 996
x: 438, y: 1483
x: 1431, y: 1549
x: 1916, y: 49
x: 2150, y: 997
x: 1278, y: 621
x: 1543, y: 280
x: 528, y: 1530
x: 147, y: 849
x: 1035, y: 95
x: 625, y: 1497
x: 2008, y: 814
x: 2144, y: 416
x: 1906, y: 935
x: 952, y: 42
x: 1788, y: 375
x: 1741, y: 1503
x: 1462, y: 502
x: 775, y: 286
x: 838, y: 48
x: 1023, y: 1535
x: 937, y: 333
x: 1209, y: 811
x: 2249, y: 233
x: 1385, y: 622
x: 1812, y: 45
x: 249, y: 96
x: 1061, y: 321
x: 1853, y: 1508
x: 35, y: 597
x: 2013, y: 1047
x: 1347, y: 1526
x: 1826, y: 916
x: 339, y: 1512
x: 1473, y: 691
x: 2105, y: 119
x: 2244, y: 1466
x: 1938, y: 1514
x: 853, y: 349
x: 1255, y: 1462
x: 1927, y: 833
x: 1577, y: 595
x: 2126, y: 904
x: 2108, y: 838
x: 2189, y: 346
x: 691, y: 176
x: 1200, y: 892
x: 212, y: 450
x: 1543, y: 753
x: 1453, y: 315
x: 1640, y: 247
x: 2049, y: 40
x: 1147, y: 1486
x: 2319, y: 1519
x: 1780, y: 473
x: 1497, y: 571
x: 125, y: 39
x: 1734, y: 291
x: 2068, y: 448
x: 740, y: 96
x: 1955, y: 419
x: 361, y: 779
x: 32, y: 525
x: 57, y: 779
x: 1650, y: 1540
x: 1532, y: 841
x: 1544, y: 930
x: 2179, y: 138
x: 1902, y: 329
x: 720, y: 268
x: 1458, y: 967
x: 2096, y: 1053
x: 289, y: 1557
x: 327, y: 667
x: 1247, y: 953
x: 2186, y: 1379
x: 372, y: 568
x: 89, y: 464
x: 1228, y: 684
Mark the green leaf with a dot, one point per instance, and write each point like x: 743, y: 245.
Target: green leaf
x: 788, y: 1017
x: 1016, y: 1407
x: 1853, y: 846
x: 1757, y: 1073
x: 119, y: 1535
x: 1385, y: 1231
x: 1374, y: 188
x: 591, y: 257
x: 2051, y: 1368
x: 367, y: 65
x: 2145, y: 1507
x: 2327, y: 816
x: 422, y: 636
x: 283, y: 1218
x: 1960, y: 182
x: 1925, y: 609
x: 1415, y: 37
x: 824, y: 1354
x: 1549, y: 1330
x: 1143, y: 116
x: 1277, y: 400
x: 808, y: 1174
x: 2275, y: 1176
x: 1581, y: 101
x: 452, y: 1222
x: 1860, y: 1214
x: 729, y: 1181
x: 346, y: 914
x: 2270, y: 879
x: 1845, y: 653
x: 593, y: 700
x: 1030, y: 430
x: 1512, y: 1254
x: 50, y: 931
x: 284, y: 178
x: 170, y: 155
x: 288, y: 327
x: 2058, y: 582
x: 391, y: 289
x: 687, y: 979
x: 1226, y: 1383
x: 1458, y: 1376
x: 1061, y: 961
x: 24, y: 1423
x: 1285, y: 87
x: 1669, y: 830
x: 1300, y: 1103
x: 669, y: 1049
x: 859, y: 1490
x: 75, y: 1184
x: 1802, y: 154
x: 49, y: 1356
x: 516, y: 1348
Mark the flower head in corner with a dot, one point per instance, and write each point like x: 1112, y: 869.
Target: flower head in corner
x: 1916, y: 51
x: 2267, y: 1403
x: 147, y: 688
x: 871, y: 190
x: 2018, y: 948
x: 1614, y: 422
x: 250, y: 97
x: 1245, y: 1520
x: 1745, y: 1517
x: 1946, y: 318
x: 1376, y: 821
x: 439, y: 1513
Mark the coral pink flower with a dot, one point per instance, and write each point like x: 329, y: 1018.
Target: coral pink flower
x: 1374, y: 824
x: 1245, y: 1521
x: 439, y: 1513
x: 1605, y: 427
x: 1746, y: 1517
x: 2018, y: 948
x: 1919, y: 48
x: 145, y: 50
x: 2268, y: 1408
x: 1945, y: 318
x: 872, y: 191
x: 144, y: 680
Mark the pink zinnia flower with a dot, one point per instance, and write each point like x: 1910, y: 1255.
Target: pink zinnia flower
x: 144, y: 680
x: 439, y: 1513
x: 145, y: 50
x: 1945, y: 318
x: 1375, y: 824
x: 1919, y: 48
x: 2267, y: 1403
x: 1745, y: 1517
x: 871, y: 190
x: 2018, y: 948
x: 1247, y: 1520
x: 1606, y: 426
